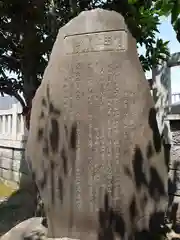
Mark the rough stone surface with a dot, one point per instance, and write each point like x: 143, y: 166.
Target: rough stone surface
x: 30, y: 229
x: 174, y: 166
x: 93, y: 144
x: 176, y: 137
x: 175, y: 148
x: 174, y: 176
x: 174, y: 181
x: 175, y: 157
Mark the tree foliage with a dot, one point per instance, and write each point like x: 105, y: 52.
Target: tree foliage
x: 28, y: 29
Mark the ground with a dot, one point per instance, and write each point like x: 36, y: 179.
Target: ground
x: 5, y: 190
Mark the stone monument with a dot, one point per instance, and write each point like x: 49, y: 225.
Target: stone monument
x: 94, y: 145
x: 29, y: 229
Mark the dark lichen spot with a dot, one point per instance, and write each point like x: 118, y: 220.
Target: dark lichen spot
x: 44, y: 222
x: 127, y: 172
x: 43, y: 181
x: 64, y: 158
x: 60, y: 186
x: 154, y: 127
x: 54, y: 135
x: 133, y: 209
x: 46, y: 147
x: 149, y: 151
x: 73, y: 136
x: 143, y: 202
x: 33, y: 176
x: 167, y: 155
x: 52, y: 167
x: 140, y: 177
x: 66, y: 130
x: 40, y: 134
x: 119, y: 226
x: 110, y: 222
x: 42, y: 115
x: 54, y: 110
x: 44, y: 103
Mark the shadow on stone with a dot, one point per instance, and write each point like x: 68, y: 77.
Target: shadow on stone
x: 113, y: 224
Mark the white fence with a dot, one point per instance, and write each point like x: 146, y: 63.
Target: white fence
x: 12, y: 144
x: 12, y: 124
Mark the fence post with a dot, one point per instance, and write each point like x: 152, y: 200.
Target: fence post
x: 14, y: 121
x: 3, y: 124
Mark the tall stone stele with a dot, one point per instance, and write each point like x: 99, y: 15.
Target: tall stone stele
x: 94, y: 145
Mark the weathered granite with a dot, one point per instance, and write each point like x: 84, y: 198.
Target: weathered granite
x: 176, y: 136
x: 174, y: 181
x: 174, y: 176
x: 29, y: 229
x: 174, y: 165
x: 94, y: 145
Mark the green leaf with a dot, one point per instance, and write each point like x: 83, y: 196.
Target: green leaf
x: 132, y: 1
x: 164, y: 7
x: 175, y: 11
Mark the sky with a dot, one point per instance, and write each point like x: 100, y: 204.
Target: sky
x: 168, y: 34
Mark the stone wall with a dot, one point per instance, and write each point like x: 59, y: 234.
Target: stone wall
x: 174, y: 165
x: 174, y: 175
x: 13, y: 166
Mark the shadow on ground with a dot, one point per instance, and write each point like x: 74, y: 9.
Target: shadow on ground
x: 18, y: 207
